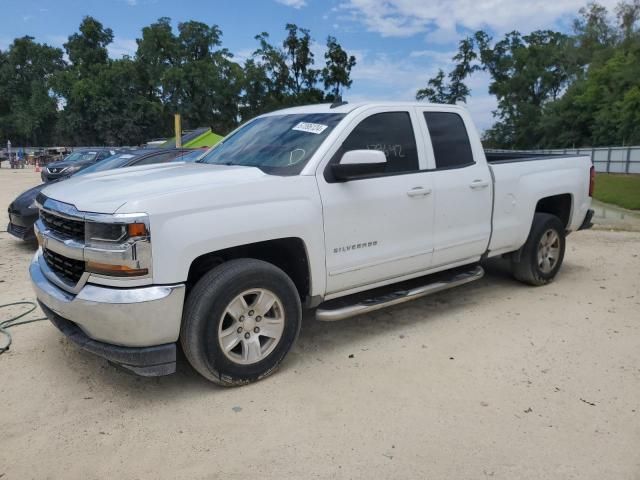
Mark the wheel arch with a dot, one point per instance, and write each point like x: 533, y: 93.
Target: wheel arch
x: 289, y: 254
x: 559, y: 205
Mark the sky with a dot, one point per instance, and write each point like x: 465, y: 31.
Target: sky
x: 398, y: 44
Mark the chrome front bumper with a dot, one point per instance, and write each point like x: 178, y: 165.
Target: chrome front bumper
x: 126, y: 317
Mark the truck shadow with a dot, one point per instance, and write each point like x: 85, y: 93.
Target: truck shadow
x: 316, y: 335
x: 316, y: 338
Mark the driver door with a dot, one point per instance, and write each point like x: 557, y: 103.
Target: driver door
x: 378, y: 228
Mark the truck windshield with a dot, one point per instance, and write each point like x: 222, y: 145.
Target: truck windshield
x: 278, y: 144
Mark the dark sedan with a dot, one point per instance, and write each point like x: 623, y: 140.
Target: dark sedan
x: 23, y: 212
x: 75, y: 162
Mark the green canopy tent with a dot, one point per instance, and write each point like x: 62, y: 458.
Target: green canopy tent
x: 207, y: 139
x: 198, y: 138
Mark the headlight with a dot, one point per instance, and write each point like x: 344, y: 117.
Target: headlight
x: 113, y: 232
x: 117, y: 249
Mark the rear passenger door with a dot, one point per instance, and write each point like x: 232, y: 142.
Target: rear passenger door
x: 463, y: 190
x: 378, y: 228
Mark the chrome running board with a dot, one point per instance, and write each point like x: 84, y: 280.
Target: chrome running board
x: 400, y: 296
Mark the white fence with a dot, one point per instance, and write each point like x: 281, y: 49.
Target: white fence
x: 605, y: 159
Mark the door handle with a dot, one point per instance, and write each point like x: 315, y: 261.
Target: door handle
x: 419, y: 192
x: 477, y: 184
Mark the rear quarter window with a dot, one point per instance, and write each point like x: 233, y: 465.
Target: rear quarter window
x: 449, y: 138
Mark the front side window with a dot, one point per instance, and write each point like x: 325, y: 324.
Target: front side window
x: 389, y: 132
x: 277, y: 144
x: 451, y: 146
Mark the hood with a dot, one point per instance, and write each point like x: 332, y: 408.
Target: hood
x: 136, y: 189
x: 26, y: 199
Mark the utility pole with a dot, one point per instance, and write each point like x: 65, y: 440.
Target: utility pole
x: 178, y: 128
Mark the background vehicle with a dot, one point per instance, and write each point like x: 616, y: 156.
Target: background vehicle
x: 23, y: 211
x: 341, y: 208
x: 74, y: 162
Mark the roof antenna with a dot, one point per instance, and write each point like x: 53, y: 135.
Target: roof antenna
x: 338, y: 102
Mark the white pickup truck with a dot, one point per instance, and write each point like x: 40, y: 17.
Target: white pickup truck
x: 339, y: 208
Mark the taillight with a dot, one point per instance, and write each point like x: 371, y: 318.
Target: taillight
x: 592, y: 180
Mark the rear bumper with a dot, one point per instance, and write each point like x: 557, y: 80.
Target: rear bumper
x: 587, y: 223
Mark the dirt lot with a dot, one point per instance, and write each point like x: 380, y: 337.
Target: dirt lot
x: 491, y: 380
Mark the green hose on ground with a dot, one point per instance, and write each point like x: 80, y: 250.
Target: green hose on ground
x: 13, y: 322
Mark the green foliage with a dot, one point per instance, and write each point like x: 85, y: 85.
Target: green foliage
x: 556, y: 90
x: 27, y: 110
x: 88, y: 47
x: 337, y: 71
x: 438, y: 91
x: 95, y: 100
x: 621, y: 190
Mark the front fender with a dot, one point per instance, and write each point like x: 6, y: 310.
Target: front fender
x: 284, y: 207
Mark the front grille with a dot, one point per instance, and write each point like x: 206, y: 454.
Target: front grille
x: 63, y: 226
x: 66, y: 268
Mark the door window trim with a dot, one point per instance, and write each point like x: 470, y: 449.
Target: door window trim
x: 330, y: 157
x: 423, y: 115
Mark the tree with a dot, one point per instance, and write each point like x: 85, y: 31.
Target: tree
x: 600, y: 107
x: 297, y: 45
x: 437, y: 91
x: 28, y: 110
x: 157, y: 53
x: 78, y: 86
x: 628, y: 14
x: 527, y: 72
x: 592, y: 29
x: 88, y: 47
x: 337, y: 71
x: 458, y: 90
x: 255, y: 90
x: 273, y: 61
x: 94, y: 100
x: 207, y: 84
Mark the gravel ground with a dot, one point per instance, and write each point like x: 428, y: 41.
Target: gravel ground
x: 490, y: 380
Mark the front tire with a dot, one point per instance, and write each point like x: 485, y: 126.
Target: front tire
x: 240, y: 321
x: 542, y: 255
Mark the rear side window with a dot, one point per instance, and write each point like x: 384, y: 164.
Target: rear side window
x: 450, y: 140
x: 389, y: 132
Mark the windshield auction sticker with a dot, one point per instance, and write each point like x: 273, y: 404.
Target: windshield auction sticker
x: 316, y: 128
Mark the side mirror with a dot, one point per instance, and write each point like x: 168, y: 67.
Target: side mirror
x: 359, y: 163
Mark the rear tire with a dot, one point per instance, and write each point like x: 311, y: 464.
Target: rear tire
x: 542, y: 255
x: 240, y: 321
